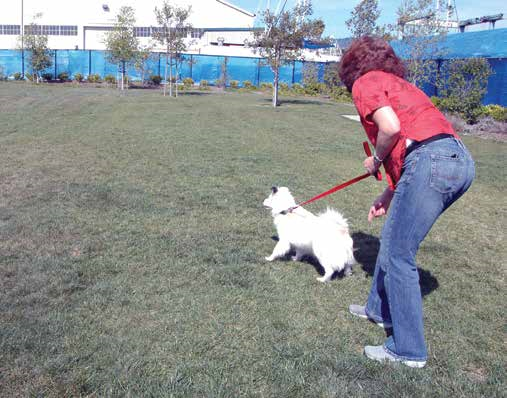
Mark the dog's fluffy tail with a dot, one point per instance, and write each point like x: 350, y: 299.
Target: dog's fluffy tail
x: 335, y: 217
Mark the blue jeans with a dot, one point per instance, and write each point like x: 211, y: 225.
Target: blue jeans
x: 434, y: 176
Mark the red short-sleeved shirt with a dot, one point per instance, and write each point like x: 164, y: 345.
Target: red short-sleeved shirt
x: 419, y: 118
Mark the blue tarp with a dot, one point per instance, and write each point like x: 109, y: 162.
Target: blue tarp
x: 197, y: 67
x: 485, y: 44
x: 490, y: 44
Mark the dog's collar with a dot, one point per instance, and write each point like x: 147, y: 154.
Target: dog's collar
x: 287, y: 211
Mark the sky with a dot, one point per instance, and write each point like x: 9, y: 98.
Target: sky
x: 336, y: 12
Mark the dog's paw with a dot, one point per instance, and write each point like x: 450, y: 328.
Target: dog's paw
x: 270, y: 258
x: 323, y: 279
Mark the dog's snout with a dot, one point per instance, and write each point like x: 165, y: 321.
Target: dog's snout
x: 274, y: 189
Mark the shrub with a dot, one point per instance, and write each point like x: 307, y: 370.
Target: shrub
x: 298, y: 89
x: 464, y: 84
x: 47, y: 76
x: 266, y: 86
x: 110, y: 79
x: 331, y: 76
x: 188, y: 83
x: 203, y: 85
x: 234, y: 83
x: 63, y: 76
x: 436, y: 101
x: 78, y: 77
x: 18, y: 76
x: 340, y: 94
x: 466, y: 108
x: 497, y: 112
x: 284, y: 88
x: 94, y: 78
x: 156, y: 79
x: 314, y: 88
x: 247, y: 84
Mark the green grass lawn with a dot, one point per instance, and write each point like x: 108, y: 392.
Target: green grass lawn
x: 132, y: 244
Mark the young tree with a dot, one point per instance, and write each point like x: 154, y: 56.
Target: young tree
x: 143, y: 56
x: 463, y: 84
x: 121, y: 42
x: 421, y: 34
x: 283, y: 38
x: 171, y: 33
x: 224, y: 74
x: 363, y: 19
x: 37, y: 45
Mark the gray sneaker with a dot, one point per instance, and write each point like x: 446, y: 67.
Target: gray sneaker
x: 360, y: 311
x: 377, y: 353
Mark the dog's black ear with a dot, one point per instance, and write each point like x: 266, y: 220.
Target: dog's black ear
x: 274, y: 189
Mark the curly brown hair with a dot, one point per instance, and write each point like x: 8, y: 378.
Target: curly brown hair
x: 366, y: 54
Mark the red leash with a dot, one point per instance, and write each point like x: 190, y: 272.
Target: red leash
x: 378, y: 176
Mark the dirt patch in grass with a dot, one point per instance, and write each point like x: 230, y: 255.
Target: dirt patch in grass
x: 486, y: 127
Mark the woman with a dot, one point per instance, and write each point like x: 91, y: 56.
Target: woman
x: 427, y: 167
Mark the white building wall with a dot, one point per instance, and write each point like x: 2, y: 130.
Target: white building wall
x: 86, y: 14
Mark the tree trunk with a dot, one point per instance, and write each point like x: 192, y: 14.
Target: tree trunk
x: 275, y: 88
x: 170, y: 76
x: 176, y: 80
x: 122, y: 75
x: 165, y: 72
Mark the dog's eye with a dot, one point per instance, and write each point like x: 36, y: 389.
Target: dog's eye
x: 274, y: 189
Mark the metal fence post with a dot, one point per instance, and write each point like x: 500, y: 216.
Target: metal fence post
x: 89, y: 62
x: 56, y: 70
x: 258, y: 72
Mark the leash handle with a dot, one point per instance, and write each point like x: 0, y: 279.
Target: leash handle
x: 367, y: 150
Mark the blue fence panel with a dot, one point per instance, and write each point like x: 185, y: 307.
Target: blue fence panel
x: 242, y: 69
x: 209, y: 68
x: 170, y: 71
x: 265, y: 74
x: 10, y: 62
x: 100, y: 65
x: 185, y: 67
x: 72, y: 62
x: 28, y: 67
x: 206, y: 68
x: 298, y: 72
x: 321, y: 71
x: 497, y: 84
x: 286, y: 73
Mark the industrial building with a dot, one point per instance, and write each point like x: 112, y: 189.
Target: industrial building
x: 72, y: 24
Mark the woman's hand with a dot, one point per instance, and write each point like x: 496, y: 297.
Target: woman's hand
x: 381, y: 204
x: 371, y: 165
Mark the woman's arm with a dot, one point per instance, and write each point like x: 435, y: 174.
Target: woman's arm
x: 388, y: 131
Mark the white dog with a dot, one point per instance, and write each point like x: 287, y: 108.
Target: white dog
x: 325, y: 236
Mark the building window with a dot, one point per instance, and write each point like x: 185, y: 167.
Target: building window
x: 196, y: 33
x: 33, y: 29
x: 68, y: 30
x: 142, y: 31
x: 10, y: 29
x: 51, y: 30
